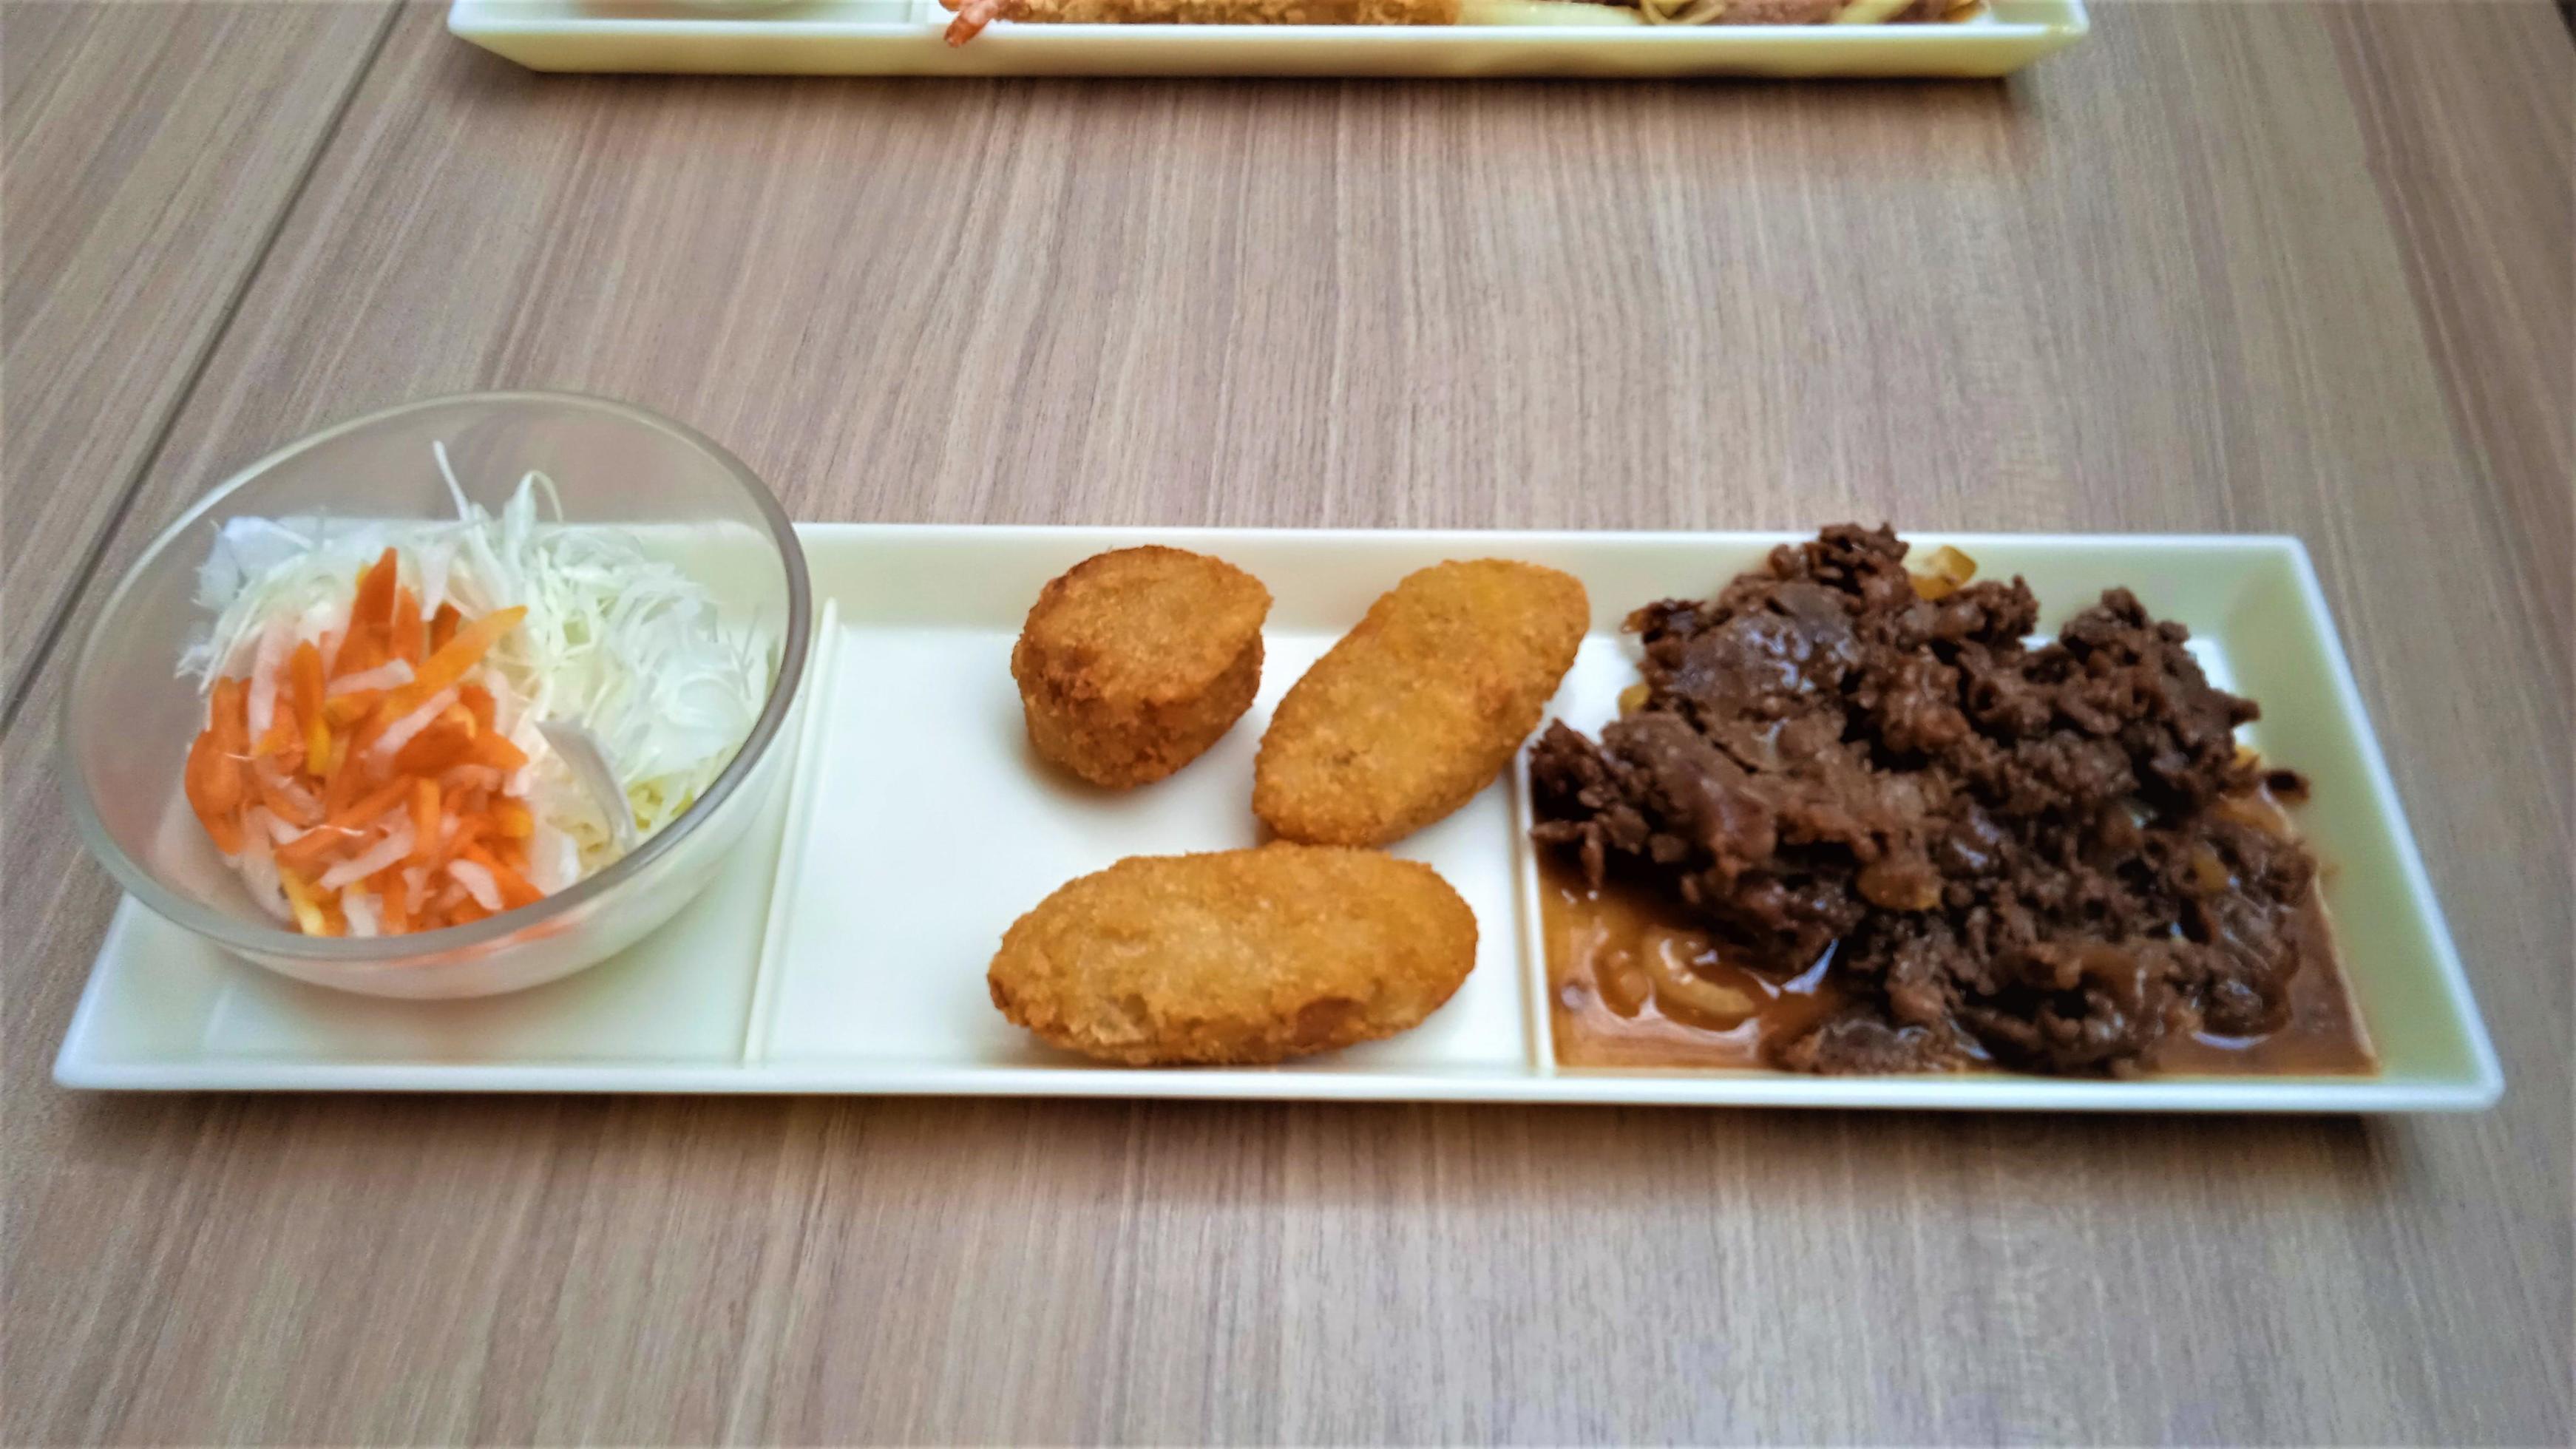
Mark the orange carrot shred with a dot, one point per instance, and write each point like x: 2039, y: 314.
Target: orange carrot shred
x: 449, y: 664
x: 442, y: 626
x: 512, y: 820
x: 479, y: 701
x: 371, y: 617
x: 197, y: 780
x: 445, y: 741
x: 424, y: 821
x: 515, y: 890
x: 304, y: 673
x: 230, y: 717
x: 497, y: 751
x: 284, y: 806
x: 311, y: 848
x: 369, y: 808
x: 284, y: 734
x: 346, y: 710
x: 406, y: 641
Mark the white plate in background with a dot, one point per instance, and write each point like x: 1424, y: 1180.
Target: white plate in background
x: 904, y: 37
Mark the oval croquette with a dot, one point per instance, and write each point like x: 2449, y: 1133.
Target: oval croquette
x: 1133, y: 662
x: 1421, y: 705
x: 1239, y: 956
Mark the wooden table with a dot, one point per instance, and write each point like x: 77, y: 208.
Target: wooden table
x: 2224, y: 266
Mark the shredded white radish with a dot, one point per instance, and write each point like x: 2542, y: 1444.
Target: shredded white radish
x: 470, y: 777
x: 384, y: 676
x: 554, y: 860
x: 395, y: 847
x: 275, y: 643
x: 359, y: 909
x: 401, y: 731
x: 258, y: 866
x: 478, y: 883
x: 293, y: 793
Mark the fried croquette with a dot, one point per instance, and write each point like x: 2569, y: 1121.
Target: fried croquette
x: 974, y: 15
x: 1415, y: 710
x: 1240, y: 956
x: 1133, y: 662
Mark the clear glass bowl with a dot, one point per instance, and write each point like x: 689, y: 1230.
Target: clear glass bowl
x: 129, y: 716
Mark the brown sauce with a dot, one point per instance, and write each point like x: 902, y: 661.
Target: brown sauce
x: 1632, y: 983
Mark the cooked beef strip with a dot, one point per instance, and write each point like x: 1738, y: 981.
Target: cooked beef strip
x: 2055, y: 859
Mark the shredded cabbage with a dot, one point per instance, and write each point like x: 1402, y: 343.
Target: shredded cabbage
x: 623, y: 644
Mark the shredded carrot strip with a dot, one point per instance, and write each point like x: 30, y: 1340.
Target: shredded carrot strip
x: 515, y: 890
x: 304, y: 674
x: 370, y: 618
x: 230, y: 717
x: 406, y: 627
x: 344, y: 710
x: 284, y: 806
x: 445, y: 742
x: 511, y: 820
x: 301, y: 899
x: 391, y: 919
x: 309, y: 850
x: 283, y: 735
x: 497, y: 751
x: 448, y: 664
x: 204, y: 763
x: 368, y: 809
x: 424, y: 821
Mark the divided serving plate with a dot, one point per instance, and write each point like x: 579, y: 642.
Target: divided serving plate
x: 843, y: 950
x: 904, y: 37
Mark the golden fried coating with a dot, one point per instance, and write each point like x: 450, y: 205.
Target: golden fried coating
x: 1240, y: 956
x: 1133, y: 662
x: 974, y: 15
x: 1415, y: 710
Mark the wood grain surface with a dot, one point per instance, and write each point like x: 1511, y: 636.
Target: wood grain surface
x: 2223, y: 267
x: 146, y: 154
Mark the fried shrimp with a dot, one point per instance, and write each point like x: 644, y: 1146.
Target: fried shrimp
x: 1240, y: 956
x: 1133, y: 662
x: 974, y: 15
x: 1421, y: 705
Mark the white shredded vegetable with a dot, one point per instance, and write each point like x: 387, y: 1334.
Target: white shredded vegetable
x: 384, y: 676
x: 622, y: 643
x: 392, y: 850
x: 402, y: 731
x: 478, y: 883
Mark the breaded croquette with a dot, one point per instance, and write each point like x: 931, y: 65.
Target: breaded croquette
x: 1240, y: 956
x: 1421, y: 705
x: 1133, y: 662
x: 974, y: 15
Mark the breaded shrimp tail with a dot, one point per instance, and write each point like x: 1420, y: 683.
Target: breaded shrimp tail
x: 974, y: 15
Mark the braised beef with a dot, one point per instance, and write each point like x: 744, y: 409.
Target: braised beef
x: 2054, y: 859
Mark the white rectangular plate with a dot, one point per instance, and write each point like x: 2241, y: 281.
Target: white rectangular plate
x: 903, y: 37
x: 846, y: 953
